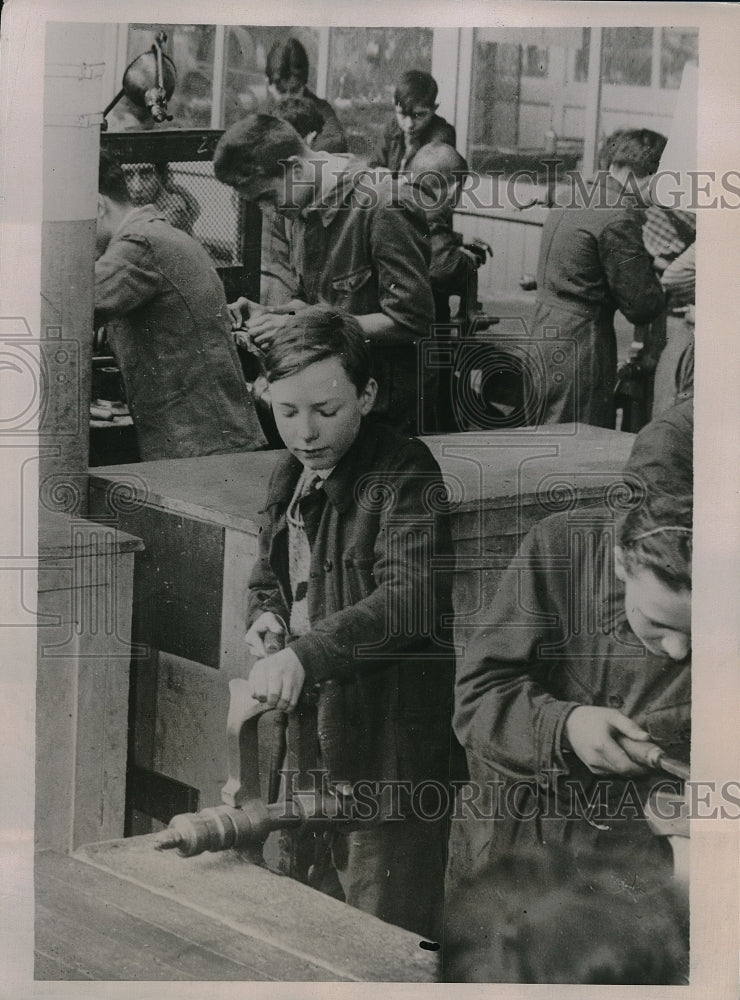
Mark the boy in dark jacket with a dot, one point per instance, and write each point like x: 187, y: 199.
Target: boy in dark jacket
x: 415, y: 123
x: 354, y: 571
x: 582, y: 669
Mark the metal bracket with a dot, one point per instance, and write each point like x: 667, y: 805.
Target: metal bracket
x: 74, y: 121
x: 81, y: 71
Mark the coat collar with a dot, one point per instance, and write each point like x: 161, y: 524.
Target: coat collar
x: 139, y: 213
x: 336, y: 196
x: 339, y: 486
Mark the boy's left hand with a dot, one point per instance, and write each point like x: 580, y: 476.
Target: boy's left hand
x: 277, y: 680
x: 263, y: 328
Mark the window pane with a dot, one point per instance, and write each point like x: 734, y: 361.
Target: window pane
x: 364, y: 66
x: 627, y: 56
x: 516, y: 121
x: 678, y: 46
x: 190, y: 47
x: 535, y: 61
x: 582, y: 56
x: 245, y: 89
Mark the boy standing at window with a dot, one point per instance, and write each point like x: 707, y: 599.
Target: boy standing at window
x: 354, y: 570
x: 415, y: 124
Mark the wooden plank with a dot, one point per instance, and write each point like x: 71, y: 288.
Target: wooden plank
x: 61, y: 536
x: 91, y: 924
x: 278, y: 911
x: 178, y: 584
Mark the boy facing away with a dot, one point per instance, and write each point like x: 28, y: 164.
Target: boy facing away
x: 354, y: 570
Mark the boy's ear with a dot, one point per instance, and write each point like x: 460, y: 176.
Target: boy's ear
x: 368, y: 396
x: 310, y: 139
x: 619, y: 568
x: 102, y: 206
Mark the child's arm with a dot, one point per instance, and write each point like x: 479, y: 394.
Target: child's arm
x: 504, y: 712
x: 629, y: 270
x: 264, y: 593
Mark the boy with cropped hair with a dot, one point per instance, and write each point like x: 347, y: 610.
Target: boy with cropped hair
x: 415, y: 124
x: 354, y: 572
x: 582, y: 671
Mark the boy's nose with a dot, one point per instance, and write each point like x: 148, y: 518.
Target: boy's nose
x: 308, y: 430
x: 676, y: 645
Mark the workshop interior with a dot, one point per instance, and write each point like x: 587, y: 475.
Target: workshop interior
x: 169, y: 843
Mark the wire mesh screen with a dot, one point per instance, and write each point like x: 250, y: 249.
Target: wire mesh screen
x: 173, y: 170
x: 190, y: 198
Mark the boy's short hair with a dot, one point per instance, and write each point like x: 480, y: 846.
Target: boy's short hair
x: 255, y: 148
x: 639, y: 149
x: 111, y: 179
x: 656, y: 535
x: 287, y: 63
x: 437, y: 166
x: 441, y: 158
x: 606, y: 149
x: 302, y: 114
x: 546, y: 916
x: 312, y: 335
x: 416, y: 87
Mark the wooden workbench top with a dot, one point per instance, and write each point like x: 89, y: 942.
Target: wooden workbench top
x: 122, y: 911
x: 482, y: 470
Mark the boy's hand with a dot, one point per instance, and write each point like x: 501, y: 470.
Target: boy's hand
x: 592, y: 733
x: 277, y: 680
x: 262, y: 328
x: 255, y: 637
x: 239, y: 312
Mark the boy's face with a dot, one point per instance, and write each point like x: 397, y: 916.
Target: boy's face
x: 292, y: 190
x: 142, y: 182
x: 318, y: 412
x: 659, y: 617
x: 413, y: 119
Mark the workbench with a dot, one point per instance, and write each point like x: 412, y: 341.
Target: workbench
x: 122, y: 911
x: 198, y: 519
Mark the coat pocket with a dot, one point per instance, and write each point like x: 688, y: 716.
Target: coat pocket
x: 344, y: 286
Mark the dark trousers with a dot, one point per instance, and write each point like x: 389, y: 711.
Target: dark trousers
x: 395, y: 871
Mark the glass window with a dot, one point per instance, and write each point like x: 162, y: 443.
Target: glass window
x: 535, y: 61
x: 677, y: 47
x: 627, y: 56
x: 365, y: 65
x: 582, y: 57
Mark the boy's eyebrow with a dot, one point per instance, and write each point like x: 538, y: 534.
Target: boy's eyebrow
x: 332, y: 400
